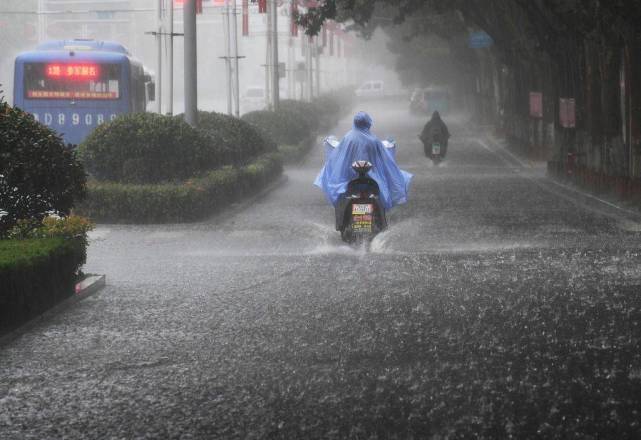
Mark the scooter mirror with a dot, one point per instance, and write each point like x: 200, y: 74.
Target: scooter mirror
x: 332, y: 141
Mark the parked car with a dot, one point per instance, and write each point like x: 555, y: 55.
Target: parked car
x: 371, y: 89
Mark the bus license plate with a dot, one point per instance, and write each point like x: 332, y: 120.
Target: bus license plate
x: 362, y: 209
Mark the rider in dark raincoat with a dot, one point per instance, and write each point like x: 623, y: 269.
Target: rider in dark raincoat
x: 360, y: 144
x: 435, y: 127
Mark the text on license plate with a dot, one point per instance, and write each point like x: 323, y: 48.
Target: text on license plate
x: 360, y: 209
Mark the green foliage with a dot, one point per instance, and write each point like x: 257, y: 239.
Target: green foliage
x: 23, y: 251
x: 39, y: 174
x: 243, y: 141
x: 307, y: 111
x: 72, y: 227
x: 36, y: 274
x: 295, y: 153
x: 283, y: 126
x: 333, y: 105
x: 150, y: 148
x: 191, y: 200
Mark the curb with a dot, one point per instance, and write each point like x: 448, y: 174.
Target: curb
x: 84, y: 289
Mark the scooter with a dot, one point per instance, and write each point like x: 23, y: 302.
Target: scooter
x: 360, y: 214
x: 434, y: 148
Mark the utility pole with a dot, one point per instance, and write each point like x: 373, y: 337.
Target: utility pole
x: 227, y: 55
x: 235, y: 45
x: 170, y: 59
x: 318, y: 70
x: 159, y: 38
x: 268, y: 58
x: 42, y: 21
x: 291, y: 71
x: 275, y: 72
x: 191, y: 77
x: 310, y: 69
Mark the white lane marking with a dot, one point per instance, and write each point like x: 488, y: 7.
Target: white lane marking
x: 593, y: 197
x: 559, y: 184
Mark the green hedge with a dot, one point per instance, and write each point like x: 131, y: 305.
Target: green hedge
x: 307, y: 111
x: 150, y: 148
x: 192, y: 200
x: 284, y: 127
x: 244, y: 142
x: 295, y: 121
x: 333, y: 106
x: 35, y: 275
x: 295, y: 153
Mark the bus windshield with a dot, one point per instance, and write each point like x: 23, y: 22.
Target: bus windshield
x: 79, y: 80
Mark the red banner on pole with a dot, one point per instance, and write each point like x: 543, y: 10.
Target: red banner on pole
x: 293, y: 13
x: 536, y: 104
x: 262, y: 6
x: 245, y: 18
x: 199, y: 5
x: 567, y: 112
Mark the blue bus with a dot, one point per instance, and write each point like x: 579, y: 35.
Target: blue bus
x: 73, y: 86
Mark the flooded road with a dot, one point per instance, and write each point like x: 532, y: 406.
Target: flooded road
x: 263, y: 324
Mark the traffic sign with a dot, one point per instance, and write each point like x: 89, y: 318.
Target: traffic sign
x: 479, y: 40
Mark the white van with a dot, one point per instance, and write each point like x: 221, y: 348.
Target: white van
x: 371, y: 89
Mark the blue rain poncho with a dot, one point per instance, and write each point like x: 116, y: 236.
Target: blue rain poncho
x: 360, y: 144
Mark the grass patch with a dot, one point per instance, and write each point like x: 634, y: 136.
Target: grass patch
x: 35, y: 275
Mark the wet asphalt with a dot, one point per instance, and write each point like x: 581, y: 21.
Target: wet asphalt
x: 263, y: 324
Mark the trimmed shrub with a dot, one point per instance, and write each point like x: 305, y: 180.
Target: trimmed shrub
x: 194, y: 199
x: 331, y: 108
x: 38, y: 172
x: 35, y: 275
x: 285, y: 127
x: 243, y: 140
x: 308, y: 111
x: 150, y: 148
x: 295, y: 153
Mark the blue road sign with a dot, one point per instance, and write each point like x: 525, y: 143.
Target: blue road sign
x: 479, y: 40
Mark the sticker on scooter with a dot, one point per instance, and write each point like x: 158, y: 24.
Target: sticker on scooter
x: 361, y: 209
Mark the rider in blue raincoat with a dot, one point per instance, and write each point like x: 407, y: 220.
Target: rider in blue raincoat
x: 360, y: 144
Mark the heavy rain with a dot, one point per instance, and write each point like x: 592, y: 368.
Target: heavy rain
x: 232, y: 300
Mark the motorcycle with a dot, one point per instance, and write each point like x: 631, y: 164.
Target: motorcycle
x: 434, y: 147
x: 360, y: 214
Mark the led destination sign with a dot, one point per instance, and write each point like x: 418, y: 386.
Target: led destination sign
x: 73, y: 71
x: 73, y: 81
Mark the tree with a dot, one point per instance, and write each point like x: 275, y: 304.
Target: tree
x: 39, y: 174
